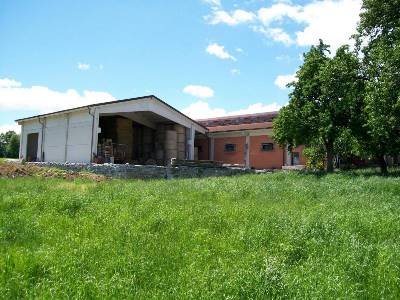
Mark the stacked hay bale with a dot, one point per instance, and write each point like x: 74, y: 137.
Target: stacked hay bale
x: 159, y: 143
x: 181, y: 141
x: 125, y: 136
x: 147, y: 143
x: 171, y: 145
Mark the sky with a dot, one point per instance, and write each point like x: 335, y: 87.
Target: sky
x: 206, y: 58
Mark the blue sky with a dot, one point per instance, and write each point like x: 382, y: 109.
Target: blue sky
x: 204, y: 57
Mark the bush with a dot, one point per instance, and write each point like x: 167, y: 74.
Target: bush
x: 315, y: 157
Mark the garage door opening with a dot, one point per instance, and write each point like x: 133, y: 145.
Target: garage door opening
x: 32, y: 147
x: 141, y: 138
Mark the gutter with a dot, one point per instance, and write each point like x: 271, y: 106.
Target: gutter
x: 42, y: 139
x: 91, y: 141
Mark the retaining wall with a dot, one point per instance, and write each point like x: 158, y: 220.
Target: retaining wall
x: 127, y: 171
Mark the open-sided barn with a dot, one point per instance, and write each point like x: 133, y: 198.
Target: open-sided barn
x: 146, y: 130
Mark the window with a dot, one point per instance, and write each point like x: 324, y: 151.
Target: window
x: 267, y: 146
x: 230, y: 148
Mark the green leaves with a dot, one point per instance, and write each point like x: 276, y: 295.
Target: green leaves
x: 379, y: 29
x: 325, y: 100
x: 9, y: 144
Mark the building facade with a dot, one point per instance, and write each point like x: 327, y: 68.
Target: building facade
x: 146, y: 130
x: 245, y: 140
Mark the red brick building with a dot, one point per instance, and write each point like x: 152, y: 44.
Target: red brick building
x: 244, y: 140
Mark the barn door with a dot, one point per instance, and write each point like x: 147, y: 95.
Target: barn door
x: 32, y: 147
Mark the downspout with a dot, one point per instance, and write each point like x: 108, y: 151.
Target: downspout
x: 91, y: 142
x: 41, y: 142
x: 66, y: 139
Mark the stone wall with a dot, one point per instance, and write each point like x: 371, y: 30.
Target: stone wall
x: 127, y: 171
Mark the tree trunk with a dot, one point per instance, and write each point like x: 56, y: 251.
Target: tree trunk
x: 383, y: 165
x: 329, y: 157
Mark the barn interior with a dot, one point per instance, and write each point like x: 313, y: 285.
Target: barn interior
x: 139, y: 138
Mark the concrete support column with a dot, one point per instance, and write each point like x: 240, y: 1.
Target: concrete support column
x: 42, y: 139
x: 212, y: 149
x: 21, y: 142
x: 247, y: 151
x: 66, y: 138
x: 95, y: 130
x: 190, y: 143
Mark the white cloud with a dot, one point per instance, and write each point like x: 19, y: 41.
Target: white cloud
x: 282, y: 80
x: 213, y: 3
x: 9, y: 83
x: 202, y: 110
x: 236, y: 17
x: 277, y: 12
x: 235, y: 72
x: 240, y: 50
x: 219, y: 51
x: 10, y: 127
x: 41, y: 99
x: 333, y: 21
x: 199, y: 91
x: 83, y: 67
x: 276, y: 34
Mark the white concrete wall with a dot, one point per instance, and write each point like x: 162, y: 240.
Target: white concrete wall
x: 67, y: 137
x: 79, y: 137
x: 31, y: 126
x: 55, y: 138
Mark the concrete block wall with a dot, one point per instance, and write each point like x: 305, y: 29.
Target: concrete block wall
x: 127, y: 171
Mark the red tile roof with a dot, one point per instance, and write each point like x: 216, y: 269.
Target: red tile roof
x: 239, y: 122
x: 262, y: 125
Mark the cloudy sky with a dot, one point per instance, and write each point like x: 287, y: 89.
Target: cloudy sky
x: 205, y: 57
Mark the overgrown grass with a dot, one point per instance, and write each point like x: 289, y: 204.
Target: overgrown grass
x: 281, y: 235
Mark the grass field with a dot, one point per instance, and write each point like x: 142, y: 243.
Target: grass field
x: 280, y: 235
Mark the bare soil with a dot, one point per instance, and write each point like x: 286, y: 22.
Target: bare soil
x: 13, y: 170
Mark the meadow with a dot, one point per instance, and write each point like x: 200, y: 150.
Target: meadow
x: 276, y: 235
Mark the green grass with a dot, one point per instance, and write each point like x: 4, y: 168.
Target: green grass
x: 280, y: 235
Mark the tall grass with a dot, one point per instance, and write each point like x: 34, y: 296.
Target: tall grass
x: 281, y: 235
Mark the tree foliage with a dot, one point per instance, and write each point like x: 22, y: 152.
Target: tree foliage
x: 325, y: 100
x: 379, y: 41
x: 9, y: 144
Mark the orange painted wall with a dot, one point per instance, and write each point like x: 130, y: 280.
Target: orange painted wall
x: 203, y: 143
x: 274, y: 159
x: 236, y: 157
x: 265, y: 159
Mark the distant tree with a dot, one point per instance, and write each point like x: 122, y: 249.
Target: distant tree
x: 379, y: 41
x: 325, y: 101
x: 12, y: 148
x: 9, y: 144
x: 2, y: 146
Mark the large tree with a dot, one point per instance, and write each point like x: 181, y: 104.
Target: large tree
x: 379, y: 41
x: 324, y: 101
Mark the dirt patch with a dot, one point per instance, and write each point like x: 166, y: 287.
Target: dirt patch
x: 13, y: 170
